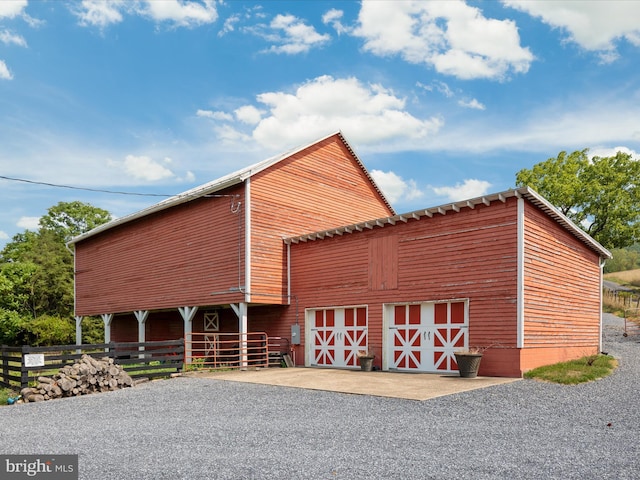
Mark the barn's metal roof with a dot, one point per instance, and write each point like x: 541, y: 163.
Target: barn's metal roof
x: 221, y: 183
x: 525, y: 192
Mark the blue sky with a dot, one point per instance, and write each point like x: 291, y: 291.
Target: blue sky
x: 442, y: 100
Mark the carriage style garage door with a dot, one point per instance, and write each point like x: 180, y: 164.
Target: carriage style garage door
x: 423, y: 337
x: 335, y: 335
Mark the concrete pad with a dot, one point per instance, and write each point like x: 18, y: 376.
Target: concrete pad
x: 410, y: 386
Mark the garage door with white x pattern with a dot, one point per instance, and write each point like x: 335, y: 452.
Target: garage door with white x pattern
x: 423, y: 337
x: 337, y: 334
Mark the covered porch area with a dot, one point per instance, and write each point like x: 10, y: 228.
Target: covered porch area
x: 216, y: 336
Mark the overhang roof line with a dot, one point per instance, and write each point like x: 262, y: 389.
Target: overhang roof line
x: 525, y: 192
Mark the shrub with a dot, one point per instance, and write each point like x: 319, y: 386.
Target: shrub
x: 50, y: 330
x: 92, y: 330
x: 12, y: 327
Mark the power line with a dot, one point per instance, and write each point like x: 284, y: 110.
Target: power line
x: 86, y: 189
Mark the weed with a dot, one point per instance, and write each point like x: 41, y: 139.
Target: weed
x: 586, y: 369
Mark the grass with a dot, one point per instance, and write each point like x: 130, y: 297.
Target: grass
x: 582, y: 370
x: 625, y: 277
x: 4, y: 394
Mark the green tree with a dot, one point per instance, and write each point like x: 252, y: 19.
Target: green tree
x: 601, y: 195
x: 12, y: 327
x: 623, y: 259
x: 70, y: 219
x: 36, y: 277
x: 16, y: 286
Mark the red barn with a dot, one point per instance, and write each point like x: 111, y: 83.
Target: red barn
x: 306, y: 247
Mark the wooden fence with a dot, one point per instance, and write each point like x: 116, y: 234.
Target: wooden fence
x: 621, y: 298
x: 147, y: 359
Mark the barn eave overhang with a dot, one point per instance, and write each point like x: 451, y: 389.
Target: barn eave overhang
x: 448, y: 208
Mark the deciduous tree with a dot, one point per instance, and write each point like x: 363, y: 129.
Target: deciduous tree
x: 601, y: 195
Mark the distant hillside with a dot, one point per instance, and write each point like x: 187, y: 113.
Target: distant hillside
x: 626, y: 277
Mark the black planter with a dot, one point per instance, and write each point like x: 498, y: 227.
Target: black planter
x: 468, y: 364
x: 366, y: 364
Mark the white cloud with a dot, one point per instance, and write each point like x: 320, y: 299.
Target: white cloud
x: 9, y: 38
x: 395, y: 188
x: 231, y: 136
x: 98, y: 13
x: 333, y: 17
x: 452, y: 37
x: 597, y: 119
x: 297, y: 37
x: 470, y: 188
x: 473, y: 103
x: 368, y: 114
x: 29, y: 223
x: 4, y: 235
x: 144, y: 168
x: 181, y: 13
x: 229, y: 25
x: 5, y: 73
x: 592, y: 25
x: 248, y: 114
x: 214, y: 115
x: 13, y: 8
x: 611, y: 152
x: 101, y: 13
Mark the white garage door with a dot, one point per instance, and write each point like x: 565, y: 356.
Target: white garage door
x: 335, y: 335
x: 423, y: 337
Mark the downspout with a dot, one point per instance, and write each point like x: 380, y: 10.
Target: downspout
x: 247, y: 242
x: 601, y: 263
x: 520, y: 276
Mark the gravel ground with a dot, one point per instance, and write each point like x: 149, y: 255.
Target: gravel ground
x: 199, y: 428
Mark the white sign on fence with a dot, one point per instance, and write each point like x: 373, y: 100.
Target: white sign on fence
x: 34, y: 360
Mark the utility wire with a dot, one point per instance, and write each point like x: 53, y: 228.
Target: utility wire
x: 113, y: 192
x: 83, y: 188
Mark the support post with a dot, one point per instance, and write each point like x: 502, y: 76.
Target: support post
x: 79, y: 330
x: 241, y: 311
x: 187, y: 314
x: 107, y: 318
x: 141, y: 316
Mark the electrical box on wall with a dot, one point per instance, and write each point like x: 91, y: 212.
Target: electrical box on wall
x: 295, y: 334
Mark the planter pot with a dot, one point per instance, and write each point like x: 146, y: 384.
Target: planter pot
x: 468, y: 364
x: 366, y: 364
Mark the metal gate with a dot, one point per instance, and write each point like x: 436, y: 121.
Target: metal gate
x: 217, y: 350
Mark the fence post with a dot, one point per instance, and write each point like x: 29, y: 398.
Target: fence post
x: 5, y: 365
x: 24, y: 373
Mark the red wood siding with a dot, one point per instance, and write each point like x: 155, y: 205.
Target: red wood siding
x: 471, y: 254
x: 383, y: 263
x: 124, y: 328
x: 176, y: 257
x: 318, y: 188
x: 182, y: 255
x: 562, y: 286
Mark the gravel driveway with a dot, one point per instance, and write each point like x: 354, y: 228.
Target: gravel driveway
x: 199, y: 428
